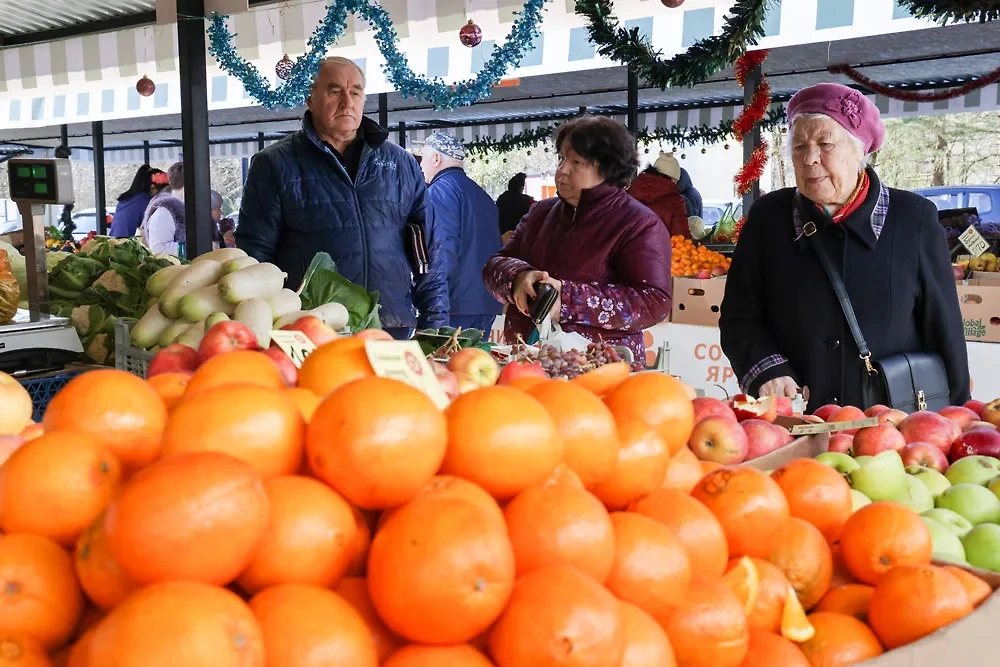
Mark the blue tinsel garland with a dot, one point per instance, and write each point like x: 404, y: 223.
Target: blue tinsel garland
x: 294, y: 91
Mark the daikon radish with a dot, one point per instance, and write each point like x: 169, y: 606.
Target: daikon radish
x: 290, y: 318
x: 197, y: 276
x: 234, y: 265
x: 222, y: 255
x: 192, y: 337
x: 334, y: 314
x: 284, y: 302
x: 199, y: 304
x: 173, y: 332
x: 214, y: 319
x: 160, y: 281
x: 148, y: 330
x: 256, y: 314
x: 260, y: 281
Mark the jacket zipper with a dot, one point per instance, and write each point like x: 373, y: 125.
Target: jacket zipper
x: 366, y: 153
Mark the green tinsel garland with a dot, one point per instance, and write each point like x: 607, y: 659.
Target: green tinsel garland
x: 744, y: 26
x: 951, y: 11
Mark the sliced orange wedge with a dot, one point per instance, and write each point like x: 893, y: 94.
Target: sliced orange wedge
x: 744, y: 581
x: 795, y: 626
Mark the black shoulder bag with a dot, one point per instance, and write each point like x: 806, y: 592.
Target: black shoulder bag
x: 909, y: 382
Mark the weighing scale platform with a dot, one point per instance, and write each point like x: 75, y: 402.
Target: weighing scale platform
x: 37, y: 343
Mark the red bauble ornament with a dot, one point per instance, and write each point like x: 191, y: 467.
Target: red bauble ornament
x: 145, y: 86
x: 284, y: 67
x: 470, y: 35
x: 673, y: 4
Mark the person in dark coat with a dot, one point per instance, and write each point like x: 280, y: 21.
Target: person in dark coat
x: 656, y: 187
x: 781, y: 325
x: 606, y: 254
x: 147, y: 183
x: 514, y: 203
x: 468, y: 221
x: 691, y: 195
x: 338, y: 186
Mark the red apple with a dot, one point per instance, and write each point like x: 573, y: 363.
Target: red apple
x: 466, y: 384
x: 289, y: 373
x: 314, y: 328
x: 373, y: 334
x: 825, y: 411
x: 973, y: 425
x: 784, y: 406
x: 960, y: 415
x: 517, y: 369
x: 893, y: 417
x: 924, y: 454
x: 8, y: 445
x: 876, y: 410
x: 877, y: 439
x: 719, y: 439
x: 847, y: 413
x: 477, y: 364
x: 975, y: 406
x: 977, y: 442
x: 930, y: 427
x: 174, y: 358
x: 747, y: 407
x: 764, y: 437
x: 991, y: 412
x: 812, y: 419
x: 841, y: 442
x: 447, y: 379
x: 226, y: 337
x: 706, y: 406
x: 15, y: 406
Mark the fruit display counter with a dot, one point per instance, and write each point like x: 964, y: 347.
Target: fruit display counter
x: 243, y: 506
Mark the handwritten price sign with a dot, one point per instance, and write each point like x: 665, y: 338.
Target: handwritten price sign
x: 974, y: 241
x: 295, y: 344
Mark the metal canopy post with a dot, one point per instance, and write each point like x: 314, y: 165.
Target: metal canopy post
x: 402, y: 134
x: 194, y: 126
x: 383, y: 110
x: 260, y: 141
x: 64, y: 151
x: 633, y: 102
x: 145, y: 152
x: 100, y: 203
x: 752, y: 140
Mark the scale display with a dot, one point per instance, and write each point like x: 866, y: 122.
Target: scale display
x: 40, y: 181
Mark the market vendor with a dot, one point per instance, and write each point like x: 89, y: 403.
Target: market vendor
x: 782, y: 326
x: 606, y: 254
x: 338, y: 186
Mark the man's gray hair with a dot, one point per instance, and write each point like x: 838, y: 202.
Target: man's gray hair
x: 340, y: 60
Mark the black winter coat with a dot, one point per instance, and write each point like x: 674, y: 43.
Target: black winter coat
x: 781, y: 317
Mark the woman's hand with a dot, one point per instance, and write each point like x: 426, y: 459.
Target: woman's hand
x: 783, y: 386
x: 524, y: 289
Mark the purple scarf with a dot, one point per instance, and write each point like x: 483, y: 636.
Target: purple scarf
x: 175, y: 207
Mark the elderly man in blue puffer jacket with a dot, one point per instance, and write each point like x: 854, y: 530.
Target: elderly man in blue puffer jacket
x: 337, y: 186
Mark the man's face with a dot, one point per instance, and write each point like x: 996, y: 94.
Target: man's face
x: 430, y: 161
x: 337, y: 100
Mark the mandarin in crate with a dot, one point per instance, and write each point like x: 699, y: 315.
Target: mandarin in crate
x: 694, y: 526
x: 355, y: 591
x: 335, y: 364
x: 197, y: 517
x: 120, y: 409
x: 259, y: 425
x: 15, y: 406
x: 502, y: 439
x: 310, y: 538
x: 57, y: 485
x: 178, y: 623
x: 646, y: 643
x: 457, y: 655
x: 42, y: 600
x: 839, y: 640
x: 377, y: 442
x: 602, y: 380
x: 659, y: 400
x: 641, y: 466
x: 558, y: 615
x: 912, y: 601
x: 881, y: 536
x: 100, y: 575
x: 801, y: 552
x: 439, y: 571
x: 977, y: 589
x: 817, y: 493
x: 709, y: 628
x: 851, y: 599
x: 749, y: 505
x: 306, y: 626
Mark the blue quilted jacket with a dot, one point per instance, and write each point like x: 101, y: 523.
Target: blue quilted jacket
x: 299, y: 200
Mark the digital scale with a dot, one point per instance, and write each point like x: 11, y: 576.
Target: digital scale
x: 36, y: 341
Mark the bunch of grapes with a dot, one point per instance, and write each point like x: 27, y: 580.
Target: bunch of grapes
x: 569, y: 364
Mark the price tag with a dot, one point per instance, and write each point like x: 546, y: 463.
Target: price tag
x: 974, y: 241
x: 295, y: 344
x: 403, y: 360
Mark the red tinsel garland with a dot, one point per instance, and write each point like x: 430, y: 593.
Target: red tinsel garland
x: 913, y: 95
x: 751, y: 172
x: 738, y: 229
x: 747, y: 63
x: 752, y: 114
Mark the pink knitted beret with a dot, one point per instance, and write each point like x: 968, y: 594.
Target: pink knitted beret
x: 855, y: 112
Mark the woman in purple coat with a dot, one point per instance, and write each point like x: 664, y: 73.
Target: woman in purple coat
x: 606, y: 254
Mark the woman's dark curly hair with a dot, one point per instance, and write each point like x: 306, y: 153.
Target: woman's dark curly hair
x: 604, y: 142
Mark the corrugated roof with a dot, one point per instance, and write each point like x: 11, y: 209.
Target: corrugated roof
x: 18, y: 17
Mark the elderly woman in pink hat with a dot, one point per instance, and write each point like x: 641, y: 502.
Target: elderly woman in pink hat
x: 783, y: 327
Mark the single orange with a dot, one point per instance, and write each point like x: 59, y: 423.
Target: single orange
x: 449, y: 486
x: 817, y: 493
x: 912, y: 601
x: 355, y: 591
x: 259, y: 425
x: 57, y: 485
x: 31, y: 432
x: 640, y: 467
x: 309, y: 626
x: 456, y: 655
x: 659, y: 400
x: 335, y: 364
x: 362, y: 543
x: 559, y: 616
x: 121, y: 409
x: 742, y: 579
x: 22, y: 652
x: 170, y: 387
x: 310, y: 538
x: 603, y: 380
x: 501, y: 439
x: 560, y: 524
x: 771, y: 650
x: 100, y: 575
x: 526, y: 382
x: 839, y: 640
x: 694, y: 526
x: 977, y: 589
x: 376, y: 441
x: 651, y: 569
x: 563, y: 474
x: 801, y: 552
x: 749, y: 505
x: 881, y: 536
x: 683, y: 471
x: 306, y: 400
x: 586, y: 426
x: 851, y: 599
x: 709, y: 628
x: 646, y: 643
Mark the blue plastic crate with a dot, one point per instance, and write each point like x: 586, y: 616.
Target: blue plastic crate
x: 42, y: 389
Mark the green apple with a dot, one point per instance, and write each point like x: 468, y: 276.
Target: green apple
x: 932, y: 479
x: 994, y: 486
x: 973, y: 470
x: 947, y: 546
x: 957, y: 523
x: 842, y: 463
x: 916, y: 496
x: 881, y: 478
x: 982, y: 547
x: 862, y: 460
x: 858, y: 500
x: 972, y: 501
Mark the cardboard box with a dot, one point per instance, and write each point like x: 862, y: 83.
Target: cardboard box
x: 988, y: 277
x: 980, y: 304
x: 698, y: 301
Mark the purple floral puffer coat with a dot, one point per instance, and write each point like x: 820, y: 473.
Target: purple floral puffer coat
x: 612, y: 255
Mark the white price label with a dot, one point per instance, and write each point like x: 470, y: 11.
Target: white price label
x: 295, y: 344
x: 403, y: 360
x: 974, y: 241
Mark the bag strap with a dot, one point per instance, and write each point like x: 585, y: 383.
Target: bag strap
x: 809, y: 230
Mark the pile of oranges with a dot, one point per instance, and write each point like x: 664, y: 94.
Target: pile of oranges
x: 224, y: 518
x: 689, y: 259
